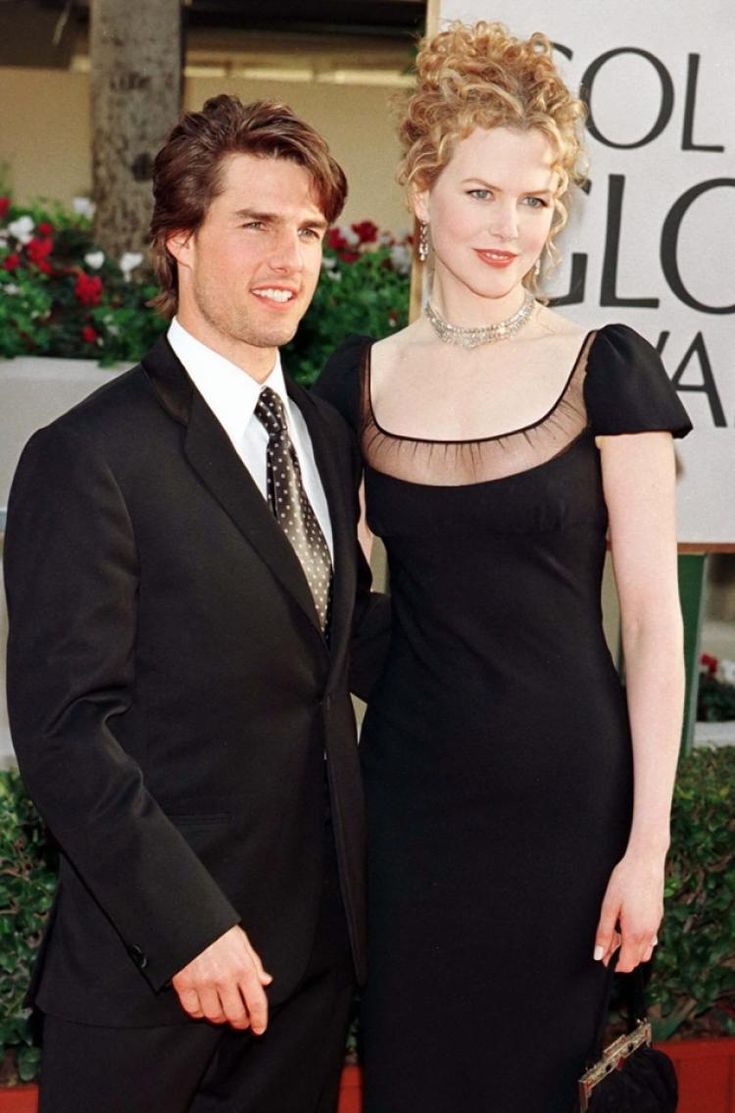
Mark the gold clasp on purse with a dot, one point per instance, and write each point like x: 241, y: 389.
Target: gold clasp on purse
x: 612, y: 1058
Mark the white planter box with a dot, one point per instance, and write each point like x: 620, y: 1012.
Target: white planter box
x: 33, y: 391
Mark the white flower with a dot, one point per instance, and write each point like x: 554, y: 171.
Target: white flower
x: 129, y: 261
x: 726, y: 670
x: 329, y: 262
x: 335, y: 276
x: 400, y: 258
x: 352, y: 237
x: 83, y: 206
x: 94, y: 259
x: 10, y: 288
x: 22, y: 229
x: 385, y: 239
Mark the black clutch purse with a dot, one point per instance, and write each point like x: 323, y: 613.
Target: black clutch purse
x: 630, y: 1076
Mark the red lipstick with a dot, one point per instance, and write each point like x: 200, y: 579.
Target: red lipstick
x: 493, y: 258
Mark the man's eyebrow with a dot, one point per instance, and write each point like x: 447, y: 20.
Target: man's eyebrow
x: 271, y: 218
x: 253, y: 214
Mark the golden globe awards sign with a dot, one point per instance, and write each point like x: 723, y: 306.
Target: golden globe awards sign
x: 652, y: 241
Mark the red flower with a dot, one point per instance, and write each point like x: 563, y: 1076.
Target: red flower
x: 335, y: 239
x: 349, y: 256
x: 45, y: 228
x: 38, y: 250
x: 11, y: 262
x: 88, y: 288
x: 366, y: 231
x: 4, y: 206
x: 89, y: 335
x: 708, y: 664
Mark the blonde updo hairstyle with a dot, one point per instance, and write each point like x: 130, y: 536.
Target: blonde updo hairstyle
x: 480, y: 76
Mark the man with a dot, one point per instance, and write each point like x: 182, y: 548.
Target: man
x: 177, y: 664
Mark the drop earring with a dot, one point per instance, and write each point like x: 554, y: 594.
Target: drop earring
x: 423, y: 241
x: 537, y: 269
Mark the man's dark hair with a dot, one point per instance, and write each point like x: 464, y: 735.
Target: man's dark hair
x: 187, y: 172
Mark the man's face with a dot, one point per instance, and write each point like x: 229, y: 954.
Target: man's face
x: 248, y: 274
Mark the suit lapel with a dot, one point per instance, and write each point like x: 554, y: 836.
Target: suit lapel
x: 215, y: 461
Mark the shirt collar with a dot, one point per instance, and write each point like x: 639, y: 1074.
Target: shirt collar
x: 230, y: 392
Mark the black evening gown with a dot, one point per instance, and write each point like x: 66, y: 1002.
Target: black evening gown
x: 496, y: 747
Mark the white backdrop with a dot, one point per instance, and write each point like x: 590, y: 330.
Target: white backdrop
x: 653, y: 242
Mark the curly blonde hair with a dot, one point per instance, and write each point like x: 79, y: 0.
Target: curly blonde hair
x: 482, y: 76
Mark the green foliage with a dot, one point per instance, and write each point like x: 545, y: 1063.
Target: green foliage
x: 60, y: 295
x: 694, y: 968
x: 715, y: 700
x: 365, y: 295
x: 27, y: 882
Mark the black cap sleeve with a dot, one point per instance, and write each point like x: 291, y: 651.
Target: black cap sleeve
x: 627, y: 389
x: 339, y: 382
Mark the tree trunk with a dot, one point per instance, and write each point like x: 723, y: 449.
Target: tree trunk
x: 135, y: 52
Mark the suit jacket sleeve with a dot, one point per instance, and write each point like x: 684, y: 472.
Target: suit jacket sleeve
x: 339, y: 385
x: 72, y: 578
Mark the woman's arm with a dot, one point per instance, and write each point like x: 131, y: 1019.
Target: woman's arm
x: 639, y: 477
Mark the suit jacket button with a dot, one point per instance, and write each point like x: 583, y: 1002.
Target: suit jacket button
x: 138, y: 956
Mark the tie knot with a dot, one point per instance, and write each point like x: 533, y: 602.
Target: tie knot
x: 270, y: 412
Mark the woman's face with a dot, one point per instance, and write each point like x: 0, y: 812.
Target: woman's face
x: 489, y: 213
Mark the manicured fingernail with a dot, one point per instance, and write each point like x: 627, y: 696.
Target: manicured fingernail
x: 599, y: 952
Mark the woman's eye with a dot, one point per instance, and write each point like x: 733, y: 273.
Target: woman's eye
x: 536, y: 202
x: 480, y: 194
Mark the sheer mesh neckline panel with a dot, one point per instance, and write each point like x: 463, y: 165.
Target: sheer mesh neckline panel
x: 452, y: 463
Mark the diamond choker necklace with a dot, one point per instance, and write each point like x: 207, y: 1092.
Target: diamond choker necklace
x: 488, y: 334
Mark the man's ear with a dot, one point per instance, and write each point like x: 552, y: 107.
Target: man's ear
x: 179, y: 245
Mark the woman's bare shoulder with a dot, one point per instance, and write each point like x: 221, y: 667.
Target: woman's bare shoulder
x: 394, y: 350
x: 555, y: 324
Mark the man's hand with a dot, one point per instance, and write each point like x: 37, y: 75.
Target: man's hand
x: 224, y: 984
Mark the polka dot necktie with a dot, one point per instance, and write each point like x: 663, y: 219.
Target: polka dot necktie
x: 290, y: 504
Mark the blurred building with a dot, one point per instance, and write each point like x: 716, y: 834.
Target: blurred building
x: 337, y: 62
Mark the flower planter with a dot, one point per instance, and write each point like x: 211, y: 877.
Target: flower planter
x: 706, y: 1073
x: 19, y: 1099
x: 350, y: 1090
x: 35, y: 390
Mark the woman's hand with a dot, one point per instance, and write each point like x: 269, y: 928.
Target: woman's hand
x: 632, y: 910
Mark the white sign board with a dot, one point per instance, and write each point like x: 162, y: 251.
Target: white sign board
x: 652, y: 244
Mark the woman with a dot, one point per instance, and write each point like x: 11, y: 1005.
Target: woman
x: 518, y: 806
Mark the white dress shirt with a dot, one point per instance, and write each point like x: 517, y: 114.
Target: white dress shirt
x: 232, y: 396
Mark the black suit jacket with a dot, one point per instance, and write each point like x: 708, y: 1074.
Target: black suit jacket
x: 172, y: 698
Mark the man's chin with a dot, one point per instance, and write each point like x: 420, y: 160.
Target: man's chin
x: 274, y: 337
